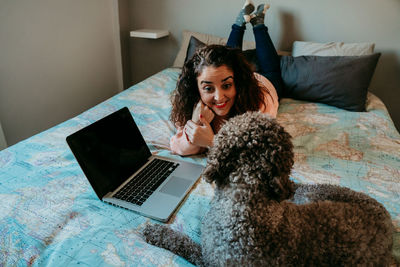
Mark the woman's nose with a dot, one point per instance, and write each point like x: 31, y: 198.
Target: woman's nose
x: 219, y: 94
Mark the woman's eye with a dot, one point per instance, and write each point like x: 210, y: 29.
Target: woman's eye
x: 227, y: 85
x: 208, y: 88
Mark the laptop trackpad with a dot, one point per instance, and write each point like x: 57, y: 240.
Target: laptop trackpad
x: 176, y: 186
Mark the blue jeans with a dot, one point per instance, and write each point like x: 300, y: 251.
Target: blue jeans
x: 268, y: 59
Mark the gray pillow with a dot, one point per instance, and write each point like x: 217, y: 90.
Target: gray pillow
x: 340, y: 81
x: 194, y: 44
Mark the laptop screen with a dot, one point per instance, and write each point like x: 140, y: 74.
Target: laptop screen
x: 109, y: 150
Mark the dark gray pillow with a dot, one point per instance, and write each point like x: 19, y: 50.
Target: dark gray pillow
x: 195, y: 43
x: 340, y: 81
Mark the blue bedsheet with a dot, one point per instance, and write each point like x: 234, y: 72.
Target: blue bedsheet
x: 50, y: 215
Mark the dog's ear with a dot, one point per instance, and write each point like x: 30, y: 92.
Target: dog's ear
x: 222, y: 156
x: 219, y: 163
x: 211, y: 174
x: 277, y: 161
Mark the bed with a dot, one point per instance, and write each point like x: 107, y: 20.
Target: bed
x: 50, y: 216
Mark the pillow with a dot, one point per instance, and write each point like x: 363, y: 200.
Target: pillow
x: 195, y: 43
x: 207, y: 39
x: 338, y: 81
x: 332, y: 49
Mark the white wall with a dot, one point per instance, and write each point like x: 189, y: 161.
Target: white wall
x: 57, y: 59
x: 289, y: 20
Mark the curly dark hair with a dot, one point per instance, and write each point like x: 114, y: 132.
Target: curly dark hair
x: 249, y: 94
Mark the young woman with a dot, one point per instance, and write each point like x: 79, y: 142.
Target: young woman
x: 218, y: 83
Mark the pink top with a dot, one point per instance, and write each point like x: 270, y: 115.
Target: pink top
x: 181, y: 146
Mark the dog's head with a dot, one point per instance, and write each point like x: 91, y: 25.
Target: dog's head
x: 252, y: 149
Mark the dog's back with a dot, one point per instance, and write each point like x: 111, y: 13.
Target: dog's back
x: 348, y: 229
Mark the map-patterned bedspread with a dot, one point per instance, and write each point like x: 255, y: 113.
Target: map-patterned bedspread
x: 49, y: 214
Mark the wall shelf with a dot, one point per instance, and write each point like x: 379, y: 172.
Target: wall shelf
x: 149, y: 33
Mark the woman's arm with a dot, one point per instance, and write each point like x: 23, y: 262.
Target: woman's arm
x: 200, y: 134
x: 204, y: 110
x: 181, y: 145
x: 271, y: 101
x: 193, y: 139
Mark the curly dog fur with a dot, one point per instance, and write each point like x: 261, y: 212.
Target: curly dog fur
x: 258, y: 216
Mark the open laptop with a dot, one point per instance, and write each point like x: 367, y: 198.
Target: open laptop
x: 117, y: 162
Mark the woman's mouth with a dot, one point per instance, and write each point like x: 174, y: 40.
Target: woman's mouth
x: 221, y: 105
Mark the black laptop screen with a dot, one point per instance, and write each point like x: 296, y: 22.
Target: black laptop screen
x: 109, y: 150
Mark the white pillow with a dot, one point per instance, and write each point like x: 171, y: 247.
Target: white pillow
x: 332, y: 49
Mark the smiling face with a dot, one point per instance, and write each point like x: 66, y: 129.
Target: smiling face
x: 217, y: 89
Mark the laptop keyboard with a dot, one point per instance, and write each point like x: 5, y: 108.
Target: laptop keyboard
x: 146, y: 181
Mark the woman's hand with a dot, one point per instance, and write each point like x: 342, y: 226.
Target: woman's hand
x: 204, y: 110
x: 199, y: 134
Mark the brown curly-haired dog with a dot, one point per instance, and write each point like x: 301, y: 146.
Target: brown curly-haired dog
x: 253, y: 221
